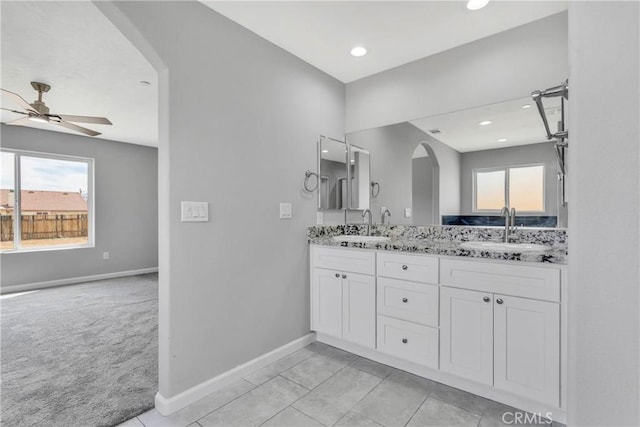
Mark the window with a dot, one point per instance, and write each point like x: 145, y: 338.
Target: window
x: 519, y: 187
x: 52, y: 196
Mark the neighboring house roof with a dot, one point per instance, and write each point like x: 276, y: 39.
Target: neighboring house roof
x: 45, y: 201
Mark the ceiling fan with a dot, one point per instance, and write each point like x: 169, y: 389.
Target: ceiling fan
x: 39, y: 112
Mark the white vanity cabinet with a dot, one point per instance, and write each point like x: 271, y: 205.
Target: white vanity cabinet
x: 502, y: 339
x: 343, y: 294
x: 490, y: 327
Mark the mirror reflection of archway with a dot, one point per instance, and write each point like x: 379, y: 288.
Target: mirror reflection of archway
x: 425, y: 173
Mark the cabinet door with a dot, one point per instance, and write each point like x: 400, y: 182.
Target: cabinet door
x: 359, y: 309
x: 466, y: 334
x: 326, y: 289
x: 527, y: 348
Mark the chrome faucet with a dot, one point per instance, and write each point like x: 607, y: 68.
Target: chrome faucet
x: 367, y: 211
x: 509, y: 223
x: 386, y: 213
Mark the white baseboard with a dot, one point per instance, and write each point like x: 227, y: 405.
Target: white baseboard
x: 74, y: 280
x: 170, y: 405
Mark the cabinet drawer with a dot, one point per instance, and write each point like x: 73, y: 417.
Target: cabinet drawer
x: 409, y: 341
x: 417, y: 268
x: 517, y: 280
x: 355, y: 261
x: 412, y: 301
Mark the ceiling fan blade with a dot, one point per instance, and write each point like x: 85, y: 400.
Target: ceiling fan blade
x: 76, y: 128
x: 14, y: 111
x: 20, y: 121
x: 84, y: 119
x: 20, y: 100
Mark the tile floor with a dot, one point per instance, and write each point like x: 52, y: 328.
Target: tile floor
x: 321, y: 385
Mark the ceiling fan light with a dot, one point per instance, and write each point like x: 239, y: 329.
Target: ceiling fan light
x: 476, y: 4
x: 39, y: 119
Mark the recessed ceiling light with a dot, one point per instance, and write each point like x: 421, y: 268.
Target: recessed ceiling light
x: 325, y: 151
x: 476, y: 4
x: 526, y: 106
x: 358, y: 51
x: 502, y: 140
x: 486, y: 122
x: 145, y: 83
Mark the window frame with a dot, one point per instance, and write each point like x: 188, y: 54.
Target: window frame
x: 506, y: 170
x: 17, y: 223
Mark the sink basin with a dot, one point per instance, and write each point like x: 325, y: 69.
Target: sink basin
x: 505, y: 247
x: 361, y: 239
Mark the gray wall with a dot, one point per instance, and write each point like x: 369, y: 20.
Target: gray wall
x: 520, y: 155
x: 391, y: 149
x: 604, y: 185
x: 126, y: 209
x: 422, y: 191
x: 501, y: 67
x: 238, y: 285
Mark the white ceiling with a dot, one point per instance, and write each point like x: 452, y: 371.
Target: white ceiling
x: 461, y: 130
x: 94, y: 70
x: 395, y: 32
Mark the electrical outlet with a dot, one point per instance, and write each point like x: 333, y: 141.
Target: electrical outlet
x: 408, y: 212
x: 319, y: 218
x: 105, y: 255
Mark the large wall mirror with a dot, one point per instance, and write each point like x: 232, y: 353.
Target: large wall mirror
x: 460, y: 168
x: 344, y: 178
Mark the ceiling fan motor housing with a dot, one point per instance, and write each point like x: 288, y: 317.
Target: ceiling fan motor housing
x: 40, y: 107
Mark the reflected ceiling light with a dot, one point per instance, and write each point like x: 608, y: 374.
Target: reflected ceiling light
x: 526, y: 106
x: 476, y: 4
x: 486, y: 122
x: 502, y: 140
x: 358, y: 51
x: 325, y: 151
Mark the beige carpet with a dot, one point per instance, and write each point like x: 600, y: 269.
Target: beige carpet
x: 81, y: 355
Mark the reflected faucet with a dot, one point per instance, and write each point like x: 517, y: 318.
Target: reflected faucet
x: 367, y: 211
x: 386, y: 213
x: 509, y: 223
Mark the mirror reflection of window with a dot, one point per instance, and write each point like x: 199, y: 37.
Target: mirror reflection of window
x: 519, y: 187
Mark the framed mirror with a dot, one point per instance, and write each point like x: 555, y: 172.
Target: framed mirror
x: 332, y: 174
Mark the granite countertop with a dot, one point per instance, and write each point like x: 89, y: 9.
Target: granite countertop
x: 446, y: 240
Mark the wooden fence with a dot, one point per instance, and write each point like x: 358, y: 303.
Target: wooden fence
x: 46, y: 226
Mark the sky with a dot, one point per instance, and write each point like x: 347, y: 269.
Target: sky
x: 44, y: 174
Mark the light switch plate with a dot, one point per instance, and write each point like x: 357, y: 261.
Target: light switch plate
x: 285, y: 211
x: 194, y: 211
x: 407, y: 212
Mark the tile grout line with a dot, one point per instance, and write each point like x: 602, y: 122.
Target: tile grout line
x: 459, y: 407
x: 419, y: 406
x: 234, y: 399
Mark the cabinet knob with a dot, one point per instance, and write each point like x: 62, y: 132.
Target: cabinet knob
x: 404, y: 267
x: 499, y: 301
x: 344, y: 276
x: 486, y: 299
x: 404, y: 340
x: 405, y: 300
x: 338, y: 275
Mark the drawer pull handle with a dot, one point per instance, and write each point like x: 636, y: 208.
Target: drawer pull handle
x: 405, y: 300
x: 499, y: 301
x: 486, y: 299
x: 404, y: 267
x: 404, y: 340
x: 344, y: 276
x: 338, y: 275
